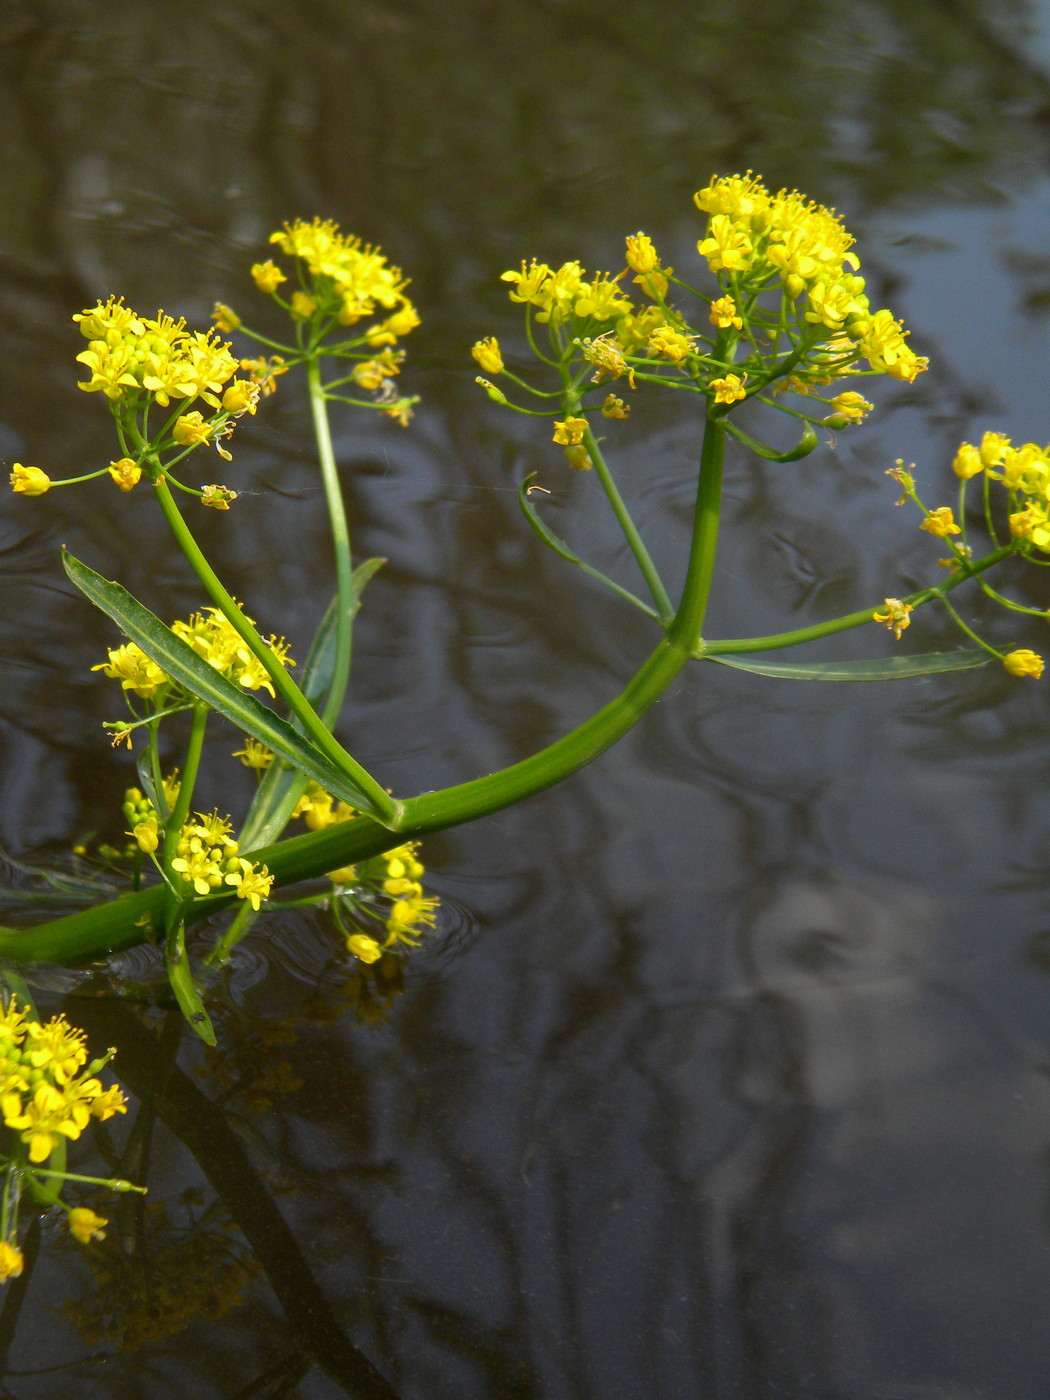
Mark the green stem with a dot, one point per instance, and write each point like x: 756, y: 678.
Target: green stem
x: 777, y: 640
x: 180, y: 811
x: 340, y: 540
x: 689, y: 619
x: 382, y: 803
x: 627, y: 525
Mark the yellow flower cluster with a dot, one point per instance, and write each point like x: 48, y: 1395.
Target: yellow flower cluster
x: 212, y: 637
x: 207, y: 859
x: 350, y: 280
x: 1025, y: 473
x: 45, y: 1091
x: 761, y: 238
x: 397, y: 875
x: 559, y: 294
x: 131, y: 356
x: 319, y: 808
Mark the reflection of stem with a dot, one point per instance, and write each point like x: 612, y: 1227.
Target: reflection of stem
x: 203, y: 1129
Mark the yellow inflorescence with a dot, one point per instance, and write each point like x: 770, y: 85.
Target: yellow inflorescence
x: 45, y: 1092
x: 762, y: 237
x: 349, y: 279
x: 131, y: 357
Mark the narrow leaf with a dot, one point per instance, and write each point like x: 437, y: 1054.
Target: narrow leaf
x: 281, y: 786
x: 182, y: 663
x: 889, y: 668
x: 551, y: 540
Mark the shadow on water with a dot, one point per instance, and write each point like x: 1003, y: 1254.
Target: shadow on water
x: 725, y: 1075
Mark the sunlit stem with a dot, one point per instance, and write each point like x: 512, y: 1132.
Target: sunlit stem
x: 689, y: 619
x: 777, y: 640
x: 110, y: 1183
x: 238, y: 929
x: 191, y: 767
x: 385, y: 808
x: 340, y: 541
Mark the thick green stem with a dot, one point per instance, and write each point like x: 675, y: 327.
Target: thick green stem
x: 382, y: 803
x: 689, y: 619
x: 340, y: 540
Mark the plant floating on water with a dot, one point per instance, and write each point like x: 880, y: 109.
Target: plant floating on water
x: 786, y: 324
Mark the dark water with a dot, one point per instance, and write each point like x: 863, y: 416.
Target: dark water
x: 726, y: 1074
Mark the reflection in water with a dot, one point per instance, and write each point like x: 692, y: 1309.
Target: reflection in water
x: 739, y: 1093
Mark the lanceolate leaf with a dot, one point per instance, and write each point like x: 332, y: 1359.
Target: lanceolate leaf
x: 281, y: 787
x: 889, y: 668
x: 183, y: 664
x: 802, y: 448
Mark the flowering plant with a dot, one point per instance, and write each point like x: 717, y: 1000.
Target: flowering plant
x: 787, y: 326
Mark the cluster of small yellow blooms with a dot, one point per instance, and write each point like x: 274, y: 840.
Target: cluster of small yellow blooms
x: 254, y: 755
x: 1024, y: 472
x: 349, y: 279
x: 391, y: 881
x: 173, y: 1277
x: 758, y: 238
x: 319, y: 809
x: 213, y: 637
x: 561, y: 294
x: 206, y: 855
x: 396, y: 875
x: 46, y: 1093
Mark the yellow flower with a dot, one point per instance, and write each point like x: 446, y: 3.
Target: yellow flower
x: 487, y: 353
x: 993, y: 449
x: 727, y: 246
x: 126, y: 473
x: 895, y: 616
x: 11, y: 1260
x: 968, y: 461
x: 225, y: 318
x: 1023, y: 663
x: 218, y: 497
x: 133, y: 668
x: 242, y: 396
x: 730, y: 389
x: 254, y: 755
x: 147, y: 834
x: 303, y: 306
x: 853, y: 407
x: 670, y: 344
x: 570, y: 432
x: 267, y: 276
x: 641, y: 255
x: 190, y: 430
x: 85, y: 1225
x: 364, y: 948
x: 29, y: 481
x: 607, y: 359
x: 612, y: 407
x: 252, y: 882
x: 527, y: 282
x: 724, y: 314
x: 578, y: 458
x: 941, y: 523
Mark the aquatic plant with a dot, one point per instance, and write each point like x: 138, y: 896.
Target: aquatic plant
x: 784, y: 325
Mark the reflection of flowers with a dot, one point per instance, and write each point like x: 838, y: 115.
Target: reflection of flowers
x: 172, y: 1278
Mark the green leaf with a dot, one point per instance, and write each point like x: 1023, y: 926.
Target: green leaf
x: 889, y: 668
x: 551, y: 540
x: 802, y: 448
x: 281, y: 786
x: 183, y: 664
